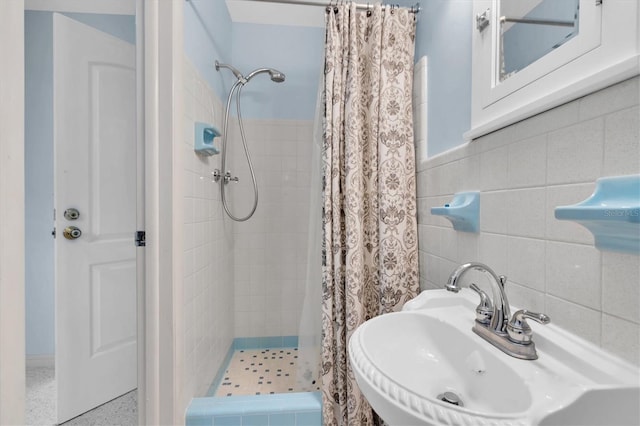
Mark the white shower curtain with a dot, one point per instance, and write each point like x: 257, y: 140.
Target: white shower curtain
x: 309, y: 332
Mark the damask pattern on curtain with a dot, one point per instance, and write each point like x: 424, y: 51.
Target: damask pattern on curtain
x: 370, y: 248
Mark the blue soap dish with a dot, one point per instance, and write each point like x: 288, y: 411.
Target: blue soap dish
x: 463, y: 211
x: 204, y: 136
x: 611, y: 213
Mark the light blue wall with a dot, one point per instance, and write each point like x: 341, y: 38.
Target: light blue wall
x: 444, y: 36
x: 39, y: 259
x: 298, y: 52
x: 207, y: 37
x: 39, y: 287
x: 120, y: 26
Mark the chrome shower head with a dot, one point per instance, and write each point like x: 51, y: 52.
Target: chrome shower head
x: 276, y: 76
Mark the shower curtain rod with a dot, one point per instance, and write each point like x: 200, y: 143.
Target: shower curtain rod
x: 413, y: 9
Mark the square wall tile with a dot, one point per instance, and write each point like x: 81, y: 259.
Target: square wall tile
x: 199, y: 421
x: 622, y: 152
x: 547, y: 121
x: 494, y: 169
x: 493, y: 212
x: 496, y: 139
x: 469, y: 171
x: 284, y: 419
x: 523, y: 297
x: 313, y: 418
x: 573, y: 272
x: 227, y: 421
x: 468, y: 244
x: 449, y: 243
x: 451, y: 180
x: 621, y: 285
x: 525, y: 260
x: 255, y: 420
x: 525, y: 211
x: 493, y: 252
x: 579, y: 320
x: 574, y: 154
x: 527, y: 162
x: 619, y: 96
x: 621, y: 338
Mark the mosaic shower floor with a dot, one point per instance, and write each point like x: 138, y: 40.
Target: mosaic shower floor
x: 260, y: 372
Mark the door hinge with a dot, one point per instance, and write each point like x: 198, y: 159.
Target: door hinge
x: 598, y: 2
x: 141, y: 238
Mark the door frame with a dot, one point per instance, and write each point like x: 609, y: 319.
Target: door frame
x: 163, y: 54
x: 160, y: 52
x: 12, y: 325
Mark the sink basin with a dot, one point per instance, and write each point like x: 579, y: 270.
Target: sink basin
x: 414, y: 366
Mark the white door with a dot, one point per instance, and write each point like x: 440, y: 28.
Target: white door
x: 95, y: 173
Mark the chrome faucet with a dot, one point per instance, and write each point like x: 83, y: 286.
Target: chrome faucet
x: 501, y: 310
x: 494, y: 323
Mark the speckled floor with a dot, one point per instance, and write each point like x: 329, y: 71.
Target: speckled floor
x: 41, y: 396
x: 122, y: 411
x: 41, y: 404
x: 261, y: 371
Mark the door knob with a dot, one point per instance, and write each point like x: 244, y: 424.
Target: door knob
x: 71, y: 214
x: 72, y: 233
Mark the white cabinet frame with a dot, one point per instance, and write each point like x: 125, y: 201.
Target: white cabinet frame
x: 605, y: 51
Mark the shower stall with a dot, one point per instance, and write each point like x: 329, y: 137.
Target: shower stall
x: 267, y: 257
x: 271, y: 257
x: 246, y: 255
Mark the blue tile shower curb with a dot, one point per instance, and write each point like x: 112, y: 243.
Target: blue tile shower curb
x: 299, y: 409
x: 285, y: 409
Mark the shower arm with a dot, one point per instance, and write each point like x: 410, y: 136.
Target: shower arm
x: 233, y: 69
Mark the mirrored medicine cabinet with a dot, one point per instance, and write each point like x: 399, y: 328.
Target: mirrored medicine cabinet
x: 532, y: 55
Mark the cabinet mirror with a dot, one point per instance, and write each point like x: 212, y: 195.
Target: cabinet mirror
x: 531, y: 29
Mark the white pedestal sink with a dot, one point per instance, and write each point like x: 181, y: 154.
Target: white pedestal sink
x: 404, y: 362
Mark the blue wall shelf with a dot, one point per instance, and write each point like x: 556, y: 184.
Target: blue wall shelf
x: 612, y: 213
x: 204, y: 135
x: 463, y: 211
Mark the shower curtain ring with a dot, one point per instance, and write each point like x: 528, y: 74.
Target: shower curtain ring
x: 368, y: 9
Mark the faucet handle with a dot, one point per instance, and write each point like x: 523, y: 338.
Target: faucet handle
x: 484, y: 311
x: 519, y: 330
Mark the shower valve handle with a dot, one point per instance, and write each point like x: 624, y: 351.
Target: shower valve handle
x: 228, y: 178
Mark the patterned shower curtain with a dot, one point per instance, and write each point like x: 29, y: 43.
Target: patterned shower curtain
x: 370, y: 248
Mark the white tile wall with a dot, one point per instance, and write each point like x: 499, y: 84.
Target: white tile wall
x: 270, y: 253
x: 420, y: 103
x: 523, y: 172
x: 208, y: 275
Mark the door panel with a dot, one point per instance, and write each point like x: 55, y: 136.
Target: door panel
x: 112, y: 165
x: 112, y: 295
x: 95, y: 172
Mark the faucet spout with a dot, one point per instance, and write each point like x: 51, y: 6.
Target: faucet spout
x: 501, y: 310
